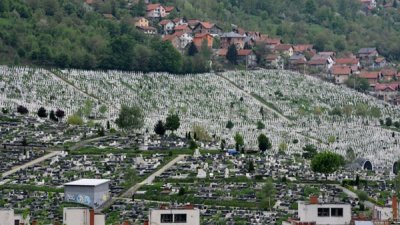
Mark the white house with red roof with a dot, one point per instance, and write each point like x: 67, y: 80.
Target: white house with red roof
x: 155, y: 11
x: 341, y: 73
x: 167, y: 26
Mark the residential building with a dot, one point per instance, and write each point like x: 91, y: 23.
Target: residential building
x: 373, y: 77
x: 207, y: 27
x: 324, y: 213
x: 7, y: 217
x: 167, y: 26
x: 82, y: 216
x: 155, y: 11
x: 341, y: 73
x: 199, y: 39
x: 389, y: 74
x: 367, y: 56
x: 297, y: 62
x: 285, y: 49
x: 274, y: 61
x: 247, y: 57
x: 141, y: 22
x: 387, y: 91
x: 352, y: 62
x: 186, y: 215
x: 379, y: 62
x: 322, y: 62
x: 230, y: 38
x: 148, y: 30
x: 91, y: 192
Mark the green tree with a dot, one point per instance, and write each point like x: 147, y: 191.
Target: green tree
x: 42, y: 113
x: 239, y: 141
x: 201, y: 133
x: 232, y: 54
x: 75, y: 120
x: 159, y: 128
x: 260, y: 125
x: 103, y: 109
x: 223, y: 144
x: 326, y: 162
x: 264, y: 143
x: 229, y: 125
x: 130, y: 118
x: 282, y: 148
x: 139, y: 9
x: 192, y: 144
x: 250, y: 166
x: 360, y: 84
x: 172, y: 122
x: 4, y: 6
x: 388, y: 122
x: 309, y: 151
x: 192, y: 50
x: 267, y: 195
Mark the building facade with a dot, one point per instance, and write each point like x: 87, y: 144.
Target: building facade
x: 324, y: 214
x: 90, y: 192
x: 174, y: 216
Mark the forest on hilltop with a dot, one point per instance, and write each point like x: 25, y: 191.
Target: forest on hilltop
x: 70, y: 34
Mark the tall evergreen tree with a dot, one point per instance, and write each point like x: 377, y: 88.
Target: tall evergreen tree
x: 192, y: 50
x: 159, y: 128
x: 42, y: 112
x: 232, y: 54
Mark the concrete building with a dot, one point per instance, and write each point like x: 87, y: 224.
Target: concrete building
x: 186, y: 215
x: 7, y: 217
x: 90, y: 192
x: 82, y: 216
x: 324, y: 213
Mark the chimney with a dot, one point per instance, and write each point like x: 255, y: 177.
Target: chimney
x: 91, y: 216
x: 394, y: 207
x: 313, y: 200
x: 146, y: 222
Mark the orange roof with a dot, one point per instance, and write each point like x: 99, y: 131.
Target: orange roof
x: 273, y: 41
x: 244, y: 52
x: 207, y: 25
x: 387, y: 87
x: 164, y: 22
x: 271, y: 57
x: 151, y: 7
x: 317, y: 61
x: 283, y: 47
x: 341, y: 70
x: 379, y: 59
x: 181, y: 27
x: 369, y: 75
x: 346, y: 61
x: 169, y: 37
x: 302, y: 48
x: 202, y: 35
x: 389, y: 72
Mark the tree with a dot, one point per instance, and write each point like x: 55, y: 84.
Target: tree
x: 60, y: 114
x: 250, y: 166
x: 229, y: 125
x: 388, y: 122
x: 264, y: 143
x: 139, y: 9
x: 181, y: 191
x: 75, y: 120
x: 4, y: 6
x: 22, y: 110
x: 396, y: 183
x: 239, y: 141
x: 103, y: 109
x: 267, y: 195
x: 53, y: 116
x: 309, y: 151
x: 260, y: 125
x: 282, y: 148
x: 42, y: 113
x: 232, y: 54
x: 358, y: 83
x: 326, y: 162
x: 192, y: 144
x: 130, y: 118
x: 172, y: 122
x: 223, y: 144
x: 201, y: 133
x: 362, y: 196
x: 159, y: 128
x: 394, y: 4
x: 310, y: 7
x: 192, y: 50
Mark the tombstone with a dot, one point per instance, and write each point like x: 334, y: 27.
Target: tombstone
x: 201, y: 174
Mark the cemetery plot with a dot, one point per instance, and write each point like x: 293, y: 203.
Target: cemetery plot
x: 12, y: 157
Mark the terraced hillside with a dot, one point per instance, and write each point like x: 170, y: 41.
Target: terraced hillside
x: 297, y: 109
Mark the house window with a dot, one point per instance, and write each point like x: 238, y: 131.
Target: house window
x: 323, y: 212
x: 180, y: 218
x: 337, y: 212
x: 166, y: 218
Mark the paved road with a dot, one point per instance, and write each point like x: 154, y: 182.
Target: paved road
x: 31, y: 163
x: 82, y: 143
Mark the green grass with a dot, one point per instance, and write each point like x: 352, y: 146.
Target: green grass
x: 31, y: 188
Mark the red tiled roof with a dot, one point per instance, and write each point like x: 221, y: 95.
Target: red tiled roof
x: 164, y: 22
x: 379, y: 59
x: 207, y: 25
x: 318, y: 61
x: 273, y: 41
x: 181, y: 27
x: 282, y: 47
x: 346, y: 61
x: 151, y: 7
x: 147, y: 28
x: 341, y: 70
x: 201, y: 35
x: 271, y: 57
x: 389, y: 72
x: 302, y: 48
x: 369, y: 75
x: 387, y: 87
x: 169, y: 37
x: 244, y: 52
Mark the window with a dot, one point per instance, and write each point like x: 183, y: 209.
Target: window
x: 337, y: 212
x: 166, y: 218
x: 323, y: 212
x: 180, y: 218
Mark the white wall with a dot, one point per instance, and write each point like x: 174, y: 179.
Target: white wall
x: 76, y: 216
x: 309, y: 213
x: 6, y: 217
x: 193, y: 216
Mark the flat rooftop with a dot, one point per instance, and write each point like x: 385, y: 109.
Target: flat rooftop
x: 87, y: 182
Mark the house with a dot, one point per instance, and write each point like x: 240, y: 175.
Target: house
x: 230, y: 38
x: 379, y: 62
x: 193, y: 23
x: 141, y: 22
x: 322, y: 62
x: 83, y: 216
x: 155, y: 11
x: 367, y: 56
x: 148, y: 30
x: 368, y: 4
x: 179, y: 39
x: 168, y: 10
x: 373, y: 77
x: 222, y: 52
x: 187, y: 215
x: 247, y: 57
x: 389, y: 74
x: 341, y: 73
x: 7, y: 217
x: 180, y: 21
x: 182, y: 28
x: 386, y: 91
x: 274, y: 61
x: 285, y: 49
x: 272, y: 42
x: 207, y: 27
x: 297, y: 62
x: 167, y: 26
x: 324, y: 213
x: 352, y: 62
x: 199, y: 39
x: 303, y: 48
